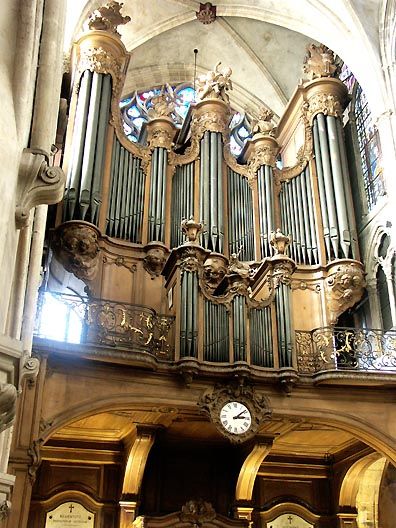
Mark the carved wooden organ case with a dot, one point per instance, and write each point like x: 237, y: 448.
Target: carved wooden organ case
x: 264, y: 251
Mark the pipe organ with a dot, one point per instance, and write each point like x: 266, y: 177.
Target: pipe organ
x: 264, y: 251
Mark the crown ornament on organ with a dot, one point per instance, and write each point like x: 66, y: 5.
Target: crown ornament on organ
x: 279, y: 242
x: 192, y: 230
x: 319, y: 62
x: 108, y: 18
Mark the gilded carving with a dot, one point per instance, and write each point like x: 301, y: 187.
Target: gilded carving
x: 263, y: 123
x: 8, y: 396
x: 214, y: 399
x: 98, y: 60
x: 38, y: 183
x: 154, y: 261
x: 197, y: 512
x: 160, y: 137
x: 344, y: 287
x: 324, y: 103
x: 282, y: 271
x: 319, y: 62
x: 76, y: 246
x: 206, y: 13
x: 108, y: 18
x: 162, y: 104
x: 209, y: 120
x: 262, y: 155
x: 215, y: 84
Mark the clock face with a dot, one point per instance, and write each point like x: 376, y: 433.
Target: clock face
x: 235, y: 417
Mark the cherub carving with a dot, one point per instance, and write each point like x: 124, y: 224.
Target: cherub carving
x: 162, y: 104
x: 215, y: 84
x: 263, y: 123
x: 108, y: 17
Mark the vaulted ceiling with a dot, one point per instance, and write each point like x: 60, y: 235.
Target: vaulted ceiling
x: 263, y: 41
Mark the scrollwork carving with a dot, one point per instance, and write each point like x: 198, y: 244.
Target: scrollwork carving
x: 120, y: 262
x: 108, y: 18
x: 76, y: 246
x: 29, y: 371
x: 344, y: 287
x: 99, y: 60
x: 209, y: 120
x: 38, y: 183
x: 35, y: 458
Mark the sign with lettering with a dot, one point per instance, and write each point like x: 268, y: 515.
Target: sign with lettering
x: 70, y: 515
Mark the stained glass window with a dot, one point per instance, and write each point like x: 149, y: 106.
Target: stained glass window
x: 134, y: 111
x: 367, y: 138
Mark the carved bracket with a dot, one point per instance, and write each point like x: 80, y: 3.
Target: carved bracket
x: 344, y: 287
x: 38, y: 183
x: 76, y: 246
x: 30, y: 367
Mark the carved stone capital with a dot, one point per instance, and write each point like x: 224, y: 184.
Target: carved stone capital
x: 75, y: 245
x: 38, y: 183
x: 99, y: 60
x: 345, y: 285
x: 5, y: 507
x: 212, y: 115
x: 8, y: 396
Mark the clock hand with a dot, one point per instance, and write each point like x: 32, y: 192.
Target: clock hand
x: 240, y: 416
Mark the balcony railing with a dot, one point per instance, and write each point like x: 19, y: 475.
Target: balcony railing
x: 74, y: 319
x: 345, y: 349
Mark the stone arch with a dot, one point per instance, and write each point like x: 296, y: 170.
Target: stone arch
x: 360, y: 489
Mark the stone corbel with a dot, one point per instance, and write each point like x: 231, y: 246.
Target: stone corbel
x: 39, y: 183
x: 29, y: 370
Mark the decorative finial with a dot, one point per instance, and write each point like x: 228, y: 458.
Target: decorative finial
x: 162, y: 104
x: 215, y: 84
x: 263, y: 124
x: 108, y: 17
x: 192, y: 230
x: 319, y: 62
x: 279, y: 242
x: 206, y: 13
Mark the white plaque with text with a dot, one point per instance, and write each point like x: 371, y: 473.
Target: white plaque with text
x: 70, y: 515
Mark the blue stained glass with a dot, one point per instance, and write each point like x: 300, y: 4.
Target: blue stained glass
x: 133, y: 111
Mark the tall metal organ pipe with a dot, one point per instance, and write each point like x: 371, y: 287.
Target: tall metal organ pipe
x: 266, y: 208
x: 156, y: 220
x: 188, y: 315
x: 239, y: 328
x: 182, y: 200
x: 211, y: 191
x: 282, y: 303
x: 240, y: 216
x: 126, y: 197
x: 83, y: 195
x: 261, y: 349
x: 297, y: 218
x: 334, y: 188
x: 216, y: 335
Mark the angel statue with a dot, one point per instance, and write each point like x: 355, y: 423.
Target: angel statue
x: 215, y: 84
x: 263, y: 123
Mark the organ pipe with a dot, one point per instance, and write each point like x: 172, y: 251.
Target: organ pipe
x: 84, y: 188
x: 182, y: 200
x: 211, y: 191
x: 261, y: 350
x: 126, y: 197
x: 216, y: 336
x: 188, y: 313
x: 282, y: 303
x: 239, y: 328
x: 159, y: 162
x: 240, y: 216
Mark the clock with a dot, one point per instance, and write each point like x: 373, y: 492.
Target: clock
x: 235, y: 417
